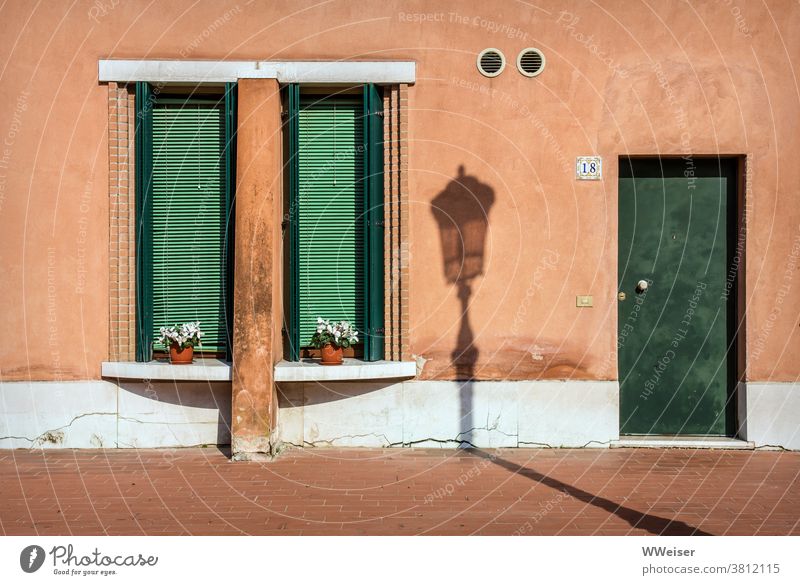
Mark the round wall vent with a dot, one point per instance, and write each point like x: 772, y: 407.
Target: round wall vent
x: 491, y: 62
x: 530, y: 62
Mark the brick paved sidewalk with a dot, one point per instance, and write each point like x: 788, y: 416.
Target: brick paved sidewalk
x: 401, y: 491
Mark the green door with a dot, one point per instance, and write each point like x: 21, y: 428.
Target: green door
x: 676, y: 306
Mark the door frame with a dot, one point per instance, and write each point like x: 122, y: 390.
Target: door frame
x: 735, y: 275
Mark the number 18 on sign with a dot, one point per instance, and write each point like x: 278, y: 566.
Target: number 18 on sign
x: 589, y: 168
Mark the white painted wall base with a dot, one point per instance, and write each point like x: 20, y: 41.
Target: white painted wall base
x: 769, y: 414
x: 104, y: 414
x: 449, y: 414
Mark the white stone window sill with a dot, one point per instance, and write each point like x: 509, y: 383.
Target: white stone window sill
x: 202, y: 369
x: 352, y: 369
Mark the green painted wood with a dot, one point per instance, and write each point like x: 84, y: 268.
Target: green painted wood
x: 143, y: 136
x: 374, y: 225
x: 189, y: 204
x: 231, y: 99
x: 293, y: 284
x: 330, y: 213
x: 675, y: 340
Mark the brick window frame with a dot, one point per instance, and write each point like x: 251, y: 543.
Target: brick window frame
x: 396, y: 213
x: 122, y: 218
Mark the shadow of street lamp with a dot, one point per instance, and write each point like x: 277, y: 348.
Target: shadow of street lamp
x: 461, y: 212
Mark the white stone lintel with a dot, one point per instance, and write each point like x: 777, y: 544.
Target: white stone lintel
x: 351, y: 369
x: 316, y: 72
x: 202, y: 369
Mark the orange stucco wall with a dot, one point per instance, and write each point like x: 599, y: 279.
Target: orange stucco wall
x: 621, y: 78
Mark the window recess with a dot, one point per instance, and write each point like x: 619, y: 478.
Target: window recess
x: 335, y: 216
x: 184, y: 229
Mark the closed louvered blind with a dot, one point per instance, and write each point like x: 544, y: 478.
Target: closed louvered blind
x: 330, y: 213
x: 188, y: 219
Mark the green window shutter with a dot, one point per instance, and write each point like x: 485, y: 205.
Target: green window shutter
x: 231, y: 100
x: 374, y: 223
x: 291, y: 318
x: 144, y: 314
x: 330, y: 213
x: 335, y: 219
x: 189, y: 202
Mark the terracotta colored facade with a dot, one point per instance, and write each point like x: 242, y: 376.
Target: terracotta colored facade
x: 706, y: 78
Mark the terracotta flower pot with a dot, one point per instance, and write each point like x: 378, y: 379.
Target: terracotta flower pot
x: 180, y: 356
x: 331, y: 356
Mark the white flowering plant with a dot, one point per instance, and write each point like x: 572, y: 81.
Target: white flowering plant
x: 341, y: 334
x: 186, y: 335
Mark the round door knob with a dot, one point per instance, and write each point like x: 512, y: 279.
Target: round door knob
x: 641, y: 286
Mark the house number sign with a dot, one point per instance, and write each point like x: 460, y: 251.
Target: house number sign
x: 589, y: 168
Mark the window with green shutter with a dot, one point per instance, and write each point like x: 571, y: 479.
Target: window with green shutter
x: 336, y: 215
x: 184, y: 187
x: 329, y: 213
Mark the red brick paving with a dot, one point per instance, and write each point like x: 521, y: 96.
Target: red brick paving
x: 401, y: 491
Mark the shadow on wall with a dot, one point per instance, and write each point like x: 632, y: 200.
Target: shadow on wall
x: 181, y: 404
x: 461, y: 212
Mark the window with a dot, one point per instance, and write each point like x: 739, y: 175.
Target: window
x: 184, y: 192
x: 335, y: 220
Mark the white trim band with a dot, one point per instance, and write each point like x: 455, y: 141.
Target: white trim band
x: 201, y: 370
x: 351, y: 369
x: 175, y: 71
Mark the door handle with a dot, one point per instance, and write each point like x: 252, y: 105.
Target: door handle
x: 641, y: 286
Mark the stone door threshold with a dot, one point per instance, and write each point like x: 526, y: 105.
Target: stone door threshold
x: 685, y: 442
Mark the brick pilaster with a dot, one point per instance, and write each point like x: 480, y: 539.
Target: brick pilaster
x: 122, y: 268
x: 396, y: 221
x: 405, y: 252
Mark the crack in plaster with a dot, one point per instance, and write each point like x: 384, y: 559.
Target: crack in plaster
x: 768, y: 447
x: 387, y: 443
x: 40, y: 439
x: 435, y: 440
x: 458, y: 440
x: 334, y: 439
x: 156, y: 422
x: 56, y: 435
x: 549, y: 446
x: 187, y: 446
x: 459, y: 437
